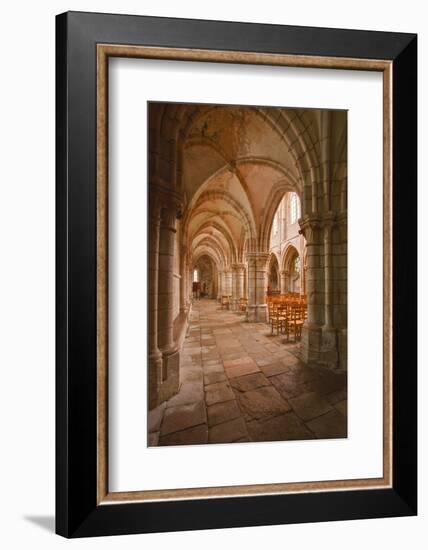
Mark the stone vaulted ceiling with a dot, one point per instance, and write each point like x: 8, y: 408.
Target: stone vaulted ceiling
x: 232, y: 165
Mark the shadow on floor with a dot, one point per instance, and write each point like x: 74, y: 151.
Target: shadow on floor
x: 45, y: 522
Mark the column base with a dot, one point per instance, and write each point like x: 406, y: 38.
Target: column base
x: 324, y: 346
x: 234, y: 304
x: 342, y: 337
x: 170, y: 375
x: 329, y: 354
x: 257, y: 314
x: 155, y: 377
x: 311, y: 343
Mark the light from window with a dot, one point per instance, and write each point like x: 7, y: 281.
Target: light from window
x: 275, y: 224
x: 294, y: 207
x: 297, y: 264
x: 195, y: 276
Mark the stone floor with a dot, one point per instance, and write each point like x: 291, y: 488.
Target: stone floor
x: 239, y: 384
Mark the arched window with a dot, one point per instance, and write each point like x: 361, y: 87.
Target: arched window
x: 195, y: 276
x: 294, y: 207
x: 297, y: 264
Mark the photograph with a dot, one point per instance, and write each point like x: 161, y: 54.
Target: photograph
x: 247, y: 273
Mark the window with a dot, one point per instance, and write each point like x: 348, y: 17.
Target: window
x: 297, y: 264
x: 195, y: 276
x: 275, y: 224
x: 294, y: 207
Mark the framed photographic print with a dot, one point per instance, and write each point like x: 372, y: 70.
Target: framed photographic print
x: 236, y: 274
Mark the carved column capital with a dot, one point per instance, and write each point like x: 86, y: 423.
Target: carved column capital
x: 155, y: 215
x: 238, y: 267
x: 168, y: 219
x: 310, y: 228
x: 258, y: 259
x: 171, y: 211
x: 161, y: 197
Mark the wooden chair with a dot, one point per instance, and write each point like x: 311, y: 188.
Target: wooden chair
x: 277, y: 319
x: 295, y: 320
x: 243, y: 304
x: 225, y: 302
x: 270, y: 309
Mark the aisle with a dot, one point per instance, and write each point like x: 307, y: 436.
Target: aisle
x: 240, y: 384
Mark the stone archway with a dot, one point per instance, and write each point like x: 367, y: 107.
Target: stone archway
x: 206, y: 277
x: 273, y: 275
x: 291, y: 271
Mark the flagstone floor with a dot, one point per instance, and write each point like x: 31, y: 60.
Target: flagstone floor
x: 240, y: 384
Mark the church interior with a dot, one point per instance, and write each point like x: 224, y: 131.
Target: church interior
x: 247, y: 274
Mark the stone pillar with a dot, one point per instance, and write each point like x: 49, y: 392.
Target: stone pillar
x: 227, y: 282
x: 222, y: 283
x: 257, y: 286
x: 184, y: 305
x: 301, y: 250
x: 311, y: 228
x: 155, y: 356
x: 328, y: 274
x: 233, y: 299
x: 238, y: 273
x: 302, y: 277
x: 213, y: 294
x: 240, y: 281
x: 219, y: 285
x: 284, y: 274
x: 170, y: 354
x: 190, y: 284
x: 329, y: 352
x: 340, y: 294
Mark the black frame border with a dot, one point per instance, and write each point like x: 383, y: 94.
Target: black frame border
x: 77, y: 513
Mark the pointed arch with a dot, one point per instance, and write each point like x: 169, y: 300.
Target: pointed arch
x: 273, y: 271
x: 272, y: 204
x: 287, y: 257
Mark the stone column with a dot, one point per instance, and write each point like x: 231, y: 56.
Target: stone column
x: 284, y: 274
x: 184, y: 306
x: 240, y: 281
x: 170, y: 355
x: 340, y: 294
x: 222, y: 283
x: 311, y: 228
x: 234, y: 297
x: 155, y: 356
x: 304, y: 277
x: 190, y: 284
x: 219, y: 285
x: 238, y: 272
x: 329, y: 355
x: 227, y: 282
x: 257, y: 286
x: 328, y: 274
x: 302, y: 264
